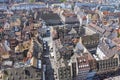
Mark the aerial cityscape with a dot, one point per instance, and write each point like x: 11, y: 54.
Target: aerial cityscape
x: 59, y: 39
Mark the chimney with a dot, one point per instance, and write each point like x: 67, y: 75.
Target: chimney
x: 118, y: 32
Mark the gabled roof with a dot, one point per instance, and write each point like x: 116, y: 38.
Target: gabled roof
x: 96, y: 28
x: 68, y: 13
x: 73, y: 31
x: 86, y: 4
x: 3, y: 52
x: 37, y: 49
x: 79, y: 48
x: 108, y: 48
x: 50, y: 18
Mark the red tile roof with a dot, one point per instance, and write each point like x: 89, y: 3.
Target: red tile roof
x: 67, y: 13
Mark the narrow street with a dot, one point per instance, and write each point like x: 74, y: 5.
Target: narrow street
x: 49, y: 74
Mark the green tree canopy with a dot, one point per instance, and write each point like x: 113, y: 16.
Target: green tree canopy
x: 31, y: 1
x: 63, y: 0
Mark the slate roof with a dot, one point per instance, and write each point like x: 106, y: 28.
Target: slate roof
x: 37, y: 49
x: 109, y: 48
x: 50, y: 18
x: 109, y: 8
x: 90, y: 41
x: 86, y: 5
x: 4, y: 1
x: 66, y: 52
x: 26, y: 73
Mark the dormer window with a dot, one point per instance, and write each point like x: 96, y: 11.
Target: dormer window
x: 80, y: 61
x: 84, y: 60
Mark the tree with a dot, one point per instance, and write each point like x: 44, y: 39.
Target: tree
x: 31, y: 1
x: 63, y: 0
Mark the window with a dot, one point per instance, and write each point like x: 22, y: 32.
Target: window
x: 0, y: 76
